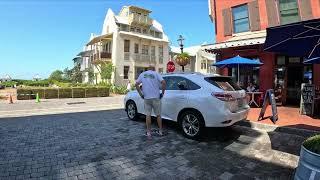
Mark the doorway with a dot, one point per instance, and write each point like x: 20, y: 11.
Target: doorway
x: 294, y: 81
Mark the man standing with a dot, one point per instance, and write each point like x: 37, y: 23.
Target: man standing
x: 151, y: 82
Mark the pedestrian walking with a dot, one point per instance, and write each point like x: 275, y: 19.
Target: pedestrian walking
x: 151, y: 82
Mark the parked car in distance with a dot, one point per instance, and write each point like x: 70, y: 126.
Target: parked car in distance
x: 2, y: 86
x: 196, y: 101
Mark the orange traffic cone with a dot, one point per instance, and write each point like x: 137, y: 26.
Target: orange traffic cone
x: 10, y: 99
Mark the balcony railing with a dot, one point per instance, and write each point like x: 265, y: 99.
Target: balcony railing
x: 101, y: 56
x: 135, y: 19
x: 140, y: 58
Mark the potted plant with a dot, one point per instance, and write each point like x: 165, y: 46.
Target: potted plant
x: 183, y: 59
x: 309, y: 162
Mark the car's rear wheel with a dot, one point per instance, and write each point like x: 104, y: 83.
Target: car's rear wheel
x: 191, y: 123
x: 131, y: 109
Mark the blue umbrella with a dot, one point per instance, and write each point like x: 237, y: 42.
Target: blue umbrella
x: 238, y: 61
x: 297, y: 39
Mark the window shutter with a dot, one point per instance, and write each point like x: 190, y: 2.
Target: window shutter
x: 272, y: 12
x: 254, y: 15
x: 305, y: 10
x: 227, y: 24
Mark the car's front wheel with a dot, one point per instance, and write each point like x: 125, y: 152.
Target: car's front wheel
x: 192, y: 124
x: 131, y: 109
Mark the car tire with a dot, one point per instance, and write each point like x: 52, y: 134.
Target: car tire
x: 191, y: 123
x: 131, y: 110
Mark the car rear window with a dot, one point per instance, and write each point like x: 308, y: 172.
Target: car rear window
x: 224, y: 83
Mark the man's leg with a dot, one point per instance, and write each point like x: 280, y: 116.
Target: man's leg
x: 148, y: 123
x: 148, y: 109
x: 157, y: 111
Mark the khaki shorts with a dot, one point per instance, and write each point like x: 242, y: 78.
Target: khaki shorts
x: 152, y: 104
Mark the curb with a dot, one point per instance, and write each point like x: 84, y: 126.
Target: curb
x: 275, y: 128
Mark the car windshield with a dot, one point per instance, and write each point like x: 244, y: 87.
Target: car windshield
x: 224, y: 83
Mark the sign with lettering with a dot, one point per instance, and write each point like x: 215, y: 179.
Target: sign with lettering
x: 269, y: 99
x: 307, y: 99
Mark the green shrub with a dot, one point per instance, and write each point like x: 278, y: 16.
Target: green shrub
x: 313, y: 144
x: 9, y: 83
x: 65, y: 93
x: 41, y: 83
x: 79, y: 92
x: 119, y: 90
x: 52, y: 93
x: 24, y: 93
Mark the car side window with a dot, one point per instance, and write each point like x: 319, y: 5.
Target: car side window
x: 180, y: 83
x: 192, y: 85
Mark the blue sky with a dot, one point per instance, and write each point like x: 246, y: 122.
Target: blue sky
x: 40, y: 36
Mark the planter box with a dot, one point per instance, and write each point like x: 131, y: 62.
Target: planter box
x: 309, y: 165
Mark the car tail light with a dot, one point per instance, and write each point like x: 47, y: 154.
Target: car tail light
x: 224, y: 96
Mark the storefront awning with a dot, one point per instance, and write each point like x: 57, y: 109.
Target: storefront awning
x: 301, y: 39
x: 239, y: 40
x: 209, y: 58
x: 100, y: 38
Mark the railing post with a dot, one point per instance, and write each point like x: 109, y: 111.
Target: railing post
x: 72, y: 93
x: 58, y: 93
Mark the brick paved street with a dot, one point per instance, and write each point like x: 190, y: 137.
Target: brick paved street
x: 106, y: 145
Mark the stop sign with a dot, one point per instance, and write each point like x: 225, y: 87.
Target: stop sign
x: 170, y: 66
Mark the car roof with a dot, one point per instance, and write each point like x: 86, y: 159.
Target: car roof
x: 193, y: 74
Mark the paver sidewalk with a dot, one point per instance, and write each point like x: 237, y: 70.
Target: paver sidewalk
x: 288, y: 117
x: 106, y: 145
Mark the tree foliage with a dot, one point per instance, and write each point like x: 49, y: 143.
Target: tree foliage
x: 56, y: 75
x: 106, y: 71
x: 76, y: 76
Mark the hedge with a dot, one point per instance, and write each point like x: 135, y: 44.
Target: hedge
x: 53, y: 93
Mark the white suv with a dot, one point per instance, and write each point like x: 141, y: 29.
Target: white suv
x: 196, y: 101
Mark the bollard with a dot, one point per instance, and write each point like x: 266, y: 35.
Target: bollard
x: 37, y: 98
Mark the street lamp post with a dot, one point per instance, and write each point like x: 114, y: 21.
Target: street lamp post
x: 180, y: 41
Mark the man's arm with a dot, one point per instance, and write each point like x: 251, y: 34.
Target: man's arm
x: 163, y: 86
x: 139, y: 90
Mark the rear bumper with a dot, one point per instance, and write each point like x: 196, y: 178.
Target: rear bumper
x: 228, y: 118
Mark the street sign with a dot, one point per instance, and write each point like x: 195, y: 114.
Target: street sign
x: 170, y: 66
x: 269, y: 99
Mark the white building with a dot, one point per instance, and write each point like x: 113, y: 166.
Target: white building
x: 200, y: 60
x: 131, y: 41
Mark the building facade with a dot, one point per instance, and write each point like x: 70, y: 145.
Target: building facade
x: 131, y: 41
x: 241, y: 30
x: 200, y: 61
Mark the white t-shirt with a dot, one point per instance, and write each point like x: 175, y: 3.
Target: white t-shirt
x: 151, y: 82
